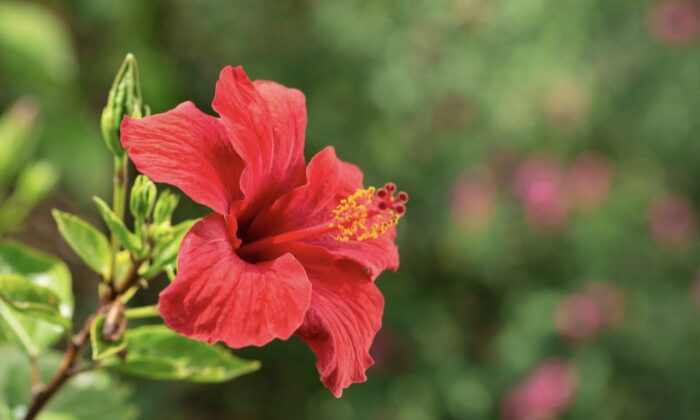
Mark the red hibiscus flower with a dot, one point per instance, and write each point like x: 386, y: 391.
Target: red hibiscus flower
x: 290, y: 249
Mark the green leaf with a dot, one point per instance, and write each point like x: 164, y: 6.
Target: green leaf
x: 90, y: 395
x: 156, y: 352
x: 117, y: 227
x: 102, y: 348
x: 42, y: 270
x: 25, y: 296
x: 89, y: 243
x: 166, y: 253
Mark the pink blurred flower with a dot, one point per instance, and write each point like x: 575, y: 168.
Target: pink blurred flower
x: 578, y: 317
x: 696, y: 289
x: 546, y: 393
x: 588, y: 180
x: 610, y: 301
x: 675, y: 22
x: 581, y: 316
x: 671, y: 220
x: 474, y: 198
x: 540, y: 186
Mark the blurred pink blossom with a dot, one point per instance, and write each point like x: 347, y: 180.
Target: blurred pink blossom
x: 671, y: 220
x: 610, y: 301
x: 581, y: 316
x: 588, y: 180
x: 578, y: 317
x: 545, y: 394
x: 474, y: 198
x: 675, y: 22
x: 539, y: 184
x: 696, y: 289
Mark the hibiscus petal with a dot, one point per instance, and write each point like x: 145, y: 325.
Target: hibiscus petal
x: 188, y: 149
x: 266, y: 123
x: 329, y: 181
x: 343, y: 319
x: 219, y: 297
x: 287, y: 109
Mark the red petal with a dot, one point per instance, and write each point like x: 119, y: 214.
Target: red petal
x: 266, y: 123
x: 329, y: 180
x: 188, y: 149
x: 343, y: 319
x: 219, y: 297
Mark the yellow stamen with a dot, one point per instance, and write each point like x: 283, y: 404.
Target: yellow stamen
x: 358, y: 218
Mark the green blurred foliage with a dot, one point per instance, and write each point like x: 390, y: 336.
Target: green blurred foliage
x: 22, y: 184
x: 48, y: 276
x: 93, y: 395
x: 417, y: 92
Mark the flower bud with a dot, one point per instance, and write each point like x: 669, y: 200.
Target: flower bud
x: 165, y: 206
x: 143, y: 197
x: 124, y: 99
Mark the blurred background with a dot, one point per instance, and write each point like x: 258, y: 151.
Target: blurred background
x: 550, y: 251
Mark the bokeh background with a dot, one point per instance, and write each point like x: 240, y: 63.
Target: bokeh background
x: 550, y: 148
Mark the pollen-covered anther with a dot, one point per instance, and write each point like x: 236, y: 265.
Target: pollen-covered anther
x: 368, y: 213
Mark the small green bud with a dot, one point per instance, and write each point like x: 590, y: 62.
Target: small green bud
x: 161, y: 233
x: 143, y: 197
x: 165, y: 206
x: 124, y: 99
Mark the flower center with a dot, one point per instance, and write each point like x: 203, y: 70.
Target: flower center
x: 368, y: 213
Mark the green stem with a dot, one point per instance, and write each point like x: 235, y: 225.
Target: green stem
x: 121, y: 175
x: 142, y: 312
x: 121, y: 169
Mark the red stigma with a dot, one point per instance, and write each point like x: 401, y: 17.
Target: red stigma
x: 386, y: 200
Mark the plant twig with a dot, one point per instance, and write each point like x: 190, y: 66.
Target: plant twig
x: 86, y: 368
x: 35, y: 375
x: 70, y: 359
